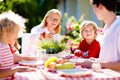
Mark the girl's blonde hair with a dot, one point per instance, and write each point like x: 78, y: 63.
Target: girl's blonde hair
x: 52, y: 11
x: 7, y: 26
x: 11, y: 22
x: 84, y: 24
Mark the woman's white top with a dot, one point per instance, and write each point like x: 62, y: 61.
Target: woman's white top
x: 38, y: 30
x: 32, y: 43
x: 110, y: 45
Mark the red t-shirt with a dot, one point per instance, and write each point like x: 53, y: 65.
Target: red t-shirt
x: 92, y: 49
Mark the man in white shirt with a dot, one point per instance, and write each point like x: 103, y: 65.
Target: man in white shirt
x: 110, y: 47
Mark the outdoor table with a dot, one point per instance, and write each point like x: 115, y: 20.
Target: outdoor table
x: 43, y: 74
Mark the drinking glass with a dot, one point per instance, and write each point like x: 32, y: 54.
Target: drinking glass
x: 41, y: 54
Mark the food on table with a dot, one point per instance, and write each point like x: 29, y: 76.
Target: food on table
x: 69, y: 56
x: 51, y: 59
x: 59, y: 66
x: 66, y: 60
x: 66, y: 65
x: 52, y: 65
x: 59, y: 63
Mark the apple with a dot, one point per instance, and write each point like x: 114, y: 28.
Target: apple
x: 60, y: 61
x: 66, y: 60
x: 52, y: 65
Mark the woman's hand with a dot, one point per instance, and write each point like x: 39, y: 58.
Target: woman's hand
x: 42, y: 35
x: 49, y: 36
x: 46, y: 36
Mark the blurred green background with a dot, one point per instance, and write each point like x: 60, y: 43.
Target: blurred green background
x: 32, y: 10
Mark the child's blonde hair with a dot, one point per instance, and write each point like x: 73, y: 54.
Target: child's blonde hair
x: 84, y: 24
x: 52, y: 11
x: 10, y: 22
x: 8, y: 26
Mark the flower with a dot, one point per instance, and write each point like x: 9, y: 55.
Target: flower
x: 69, y: 26
x: 72, y: 30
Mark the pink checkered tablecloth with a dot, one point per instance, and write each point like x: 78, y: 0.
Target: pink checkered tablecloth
x: 104, y: 74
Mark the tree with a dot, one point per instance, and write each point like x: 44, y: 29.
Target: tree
x: 32, y: 10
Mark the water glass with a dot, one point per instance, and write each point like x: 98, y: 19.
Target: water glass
x: 41, y: 54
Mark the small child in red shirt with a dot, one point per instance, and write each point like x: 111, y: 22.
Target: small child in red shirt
x: 89, y: 46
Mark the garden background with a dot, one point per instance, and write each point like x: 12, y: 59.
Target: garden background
x: 34, y: 10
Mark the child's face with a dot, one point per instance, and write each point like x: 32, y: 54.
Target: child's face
x: 13, y: 37
x: 88, y: 32
x: 53, y: 20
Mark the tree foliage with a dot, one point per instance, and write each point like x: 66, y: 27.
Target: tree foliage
x: 32, y: 10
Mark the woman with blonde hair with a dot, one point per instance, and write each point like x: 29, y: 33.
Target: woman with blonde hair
x: 49, y: 28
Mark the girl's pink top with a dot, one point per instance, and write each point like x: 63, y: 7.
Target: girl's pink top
x: 6, y: 57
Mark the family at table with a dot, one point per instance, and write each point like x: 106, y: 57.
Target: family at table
x: 105, y: 52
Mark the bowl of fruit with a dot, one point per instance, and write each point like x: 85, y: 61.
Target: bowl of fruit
x: 58, y: 63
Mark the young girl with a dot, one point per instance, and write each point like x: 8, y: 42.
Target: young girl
x: 88, y: 47
x: 9, y: 30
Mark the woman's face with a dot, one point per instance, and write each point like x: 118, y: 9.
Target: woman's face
x: 88, y: 32
x: 53, y: 20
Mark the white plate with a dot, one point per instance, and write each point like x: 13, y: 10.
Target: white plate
x: 31, y: 63
x: 74, y: 72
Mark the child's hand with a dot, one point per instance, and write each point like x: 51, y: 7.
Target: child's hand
x: 78, y: 53
x: 29, y: 58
